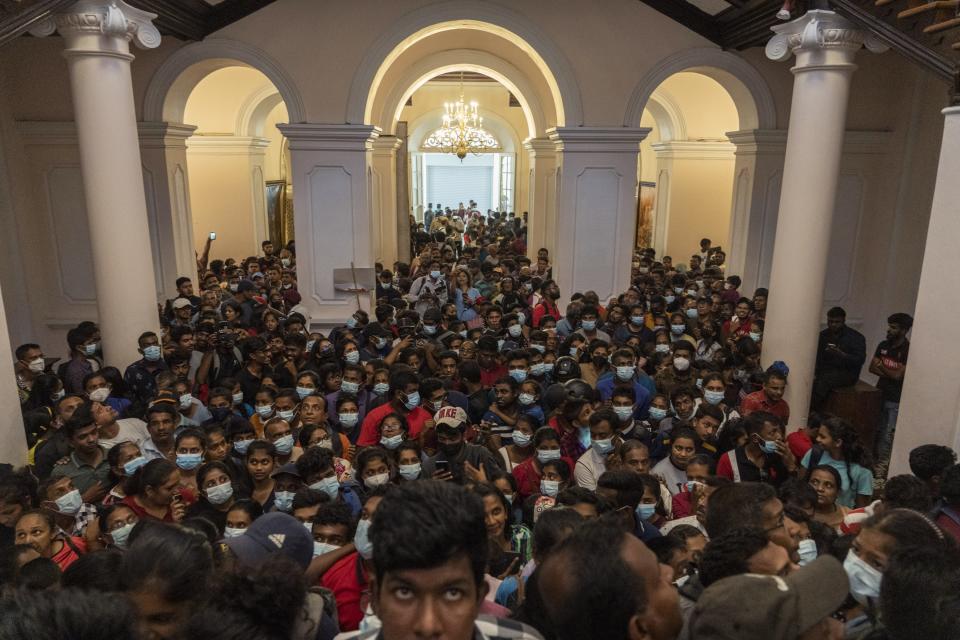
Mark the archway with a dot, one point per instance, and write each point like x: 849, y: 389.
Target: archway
x: 496, y: 44
x: 688, y: 162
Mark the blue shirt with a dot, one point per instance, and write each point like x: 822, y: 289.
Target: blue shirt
x: 643, y: 388
x: 862, y: 484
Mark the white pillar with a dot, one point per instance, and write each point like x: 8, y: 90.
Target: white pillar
x: 97, y: 36
x: 386, y: 225
x: 331, y: 170
x: 163, y: 149
x: 929, y: 412
x: 13, y: 440
x: 753, y: 214
x: 825, y: 46
x: 542, y: 196
x: 596, y: 208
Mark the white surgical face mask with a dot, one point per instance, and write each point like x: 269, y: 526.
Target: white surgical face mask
x: 377, y: 480
x: 807, y: 551
x: 864, y: 579
x: 681, y: 364
x: 232, y: 532
x: 410, y: 471
x: 549, y: 488
x: 100, y: 395
x: 36, y: 365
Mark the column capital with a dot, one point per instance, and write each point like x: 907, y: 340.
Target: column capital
x: 110, y: 18
x: 598, y: 139
x: 163, y: 135
x: 540, y: 147
x: 686, y: 149
x: 330, y: 137
x: 754, y: 141
x: 385, y: 145
x: 819, y: 39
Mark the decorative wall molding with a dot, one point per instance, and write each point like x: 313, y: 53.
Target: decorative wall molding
x: 330, y: 137
x: 164, y: 135
x: 227, y: 145
x: 598, y: 139
x: 692, y: 150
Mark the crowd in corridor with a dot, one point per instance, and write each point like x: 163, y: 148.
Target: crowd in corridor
x: 463, y: 459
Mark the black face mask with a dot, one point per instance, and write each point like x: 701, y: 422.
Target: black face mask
x: 220, y: 413
x: 450, y: 450
x: 599, y: 361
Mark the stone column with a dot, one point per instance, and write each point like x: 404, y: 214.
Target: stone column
x: 97, y: 35
x: 757, y: 174
x: 331, y: 172
x: 595, y: 227
x: 383, y: 184
x: 825, y: 46
x: 542, y: 196
x: 403, y: 196
x: 929, y: 412
x: 163, y: 149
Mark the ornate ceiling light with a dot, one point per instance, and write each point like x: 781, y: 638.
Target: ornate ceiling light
x: 462, y: 131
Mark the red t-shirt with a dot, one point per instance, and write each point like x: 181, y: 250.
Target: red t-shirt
x: 528, y: 477
x: 369, y: 435
x: 799, y: 443
x: 681, y: 506
x: 347, y: 579
x: 69, y: 554
x: 489, y: 376
x: 758, y: 401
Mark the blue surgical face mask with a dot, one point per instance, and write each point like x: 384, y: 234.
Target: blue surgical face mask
x: 807, y: 551
x: 409, y: 471
x: 310, y: 344
x: 241, y: 446
x: 624, y: 413
x: 625, y: 372
x: 515, y: 330
x: 303, y: 392
x: 91, y: 349
x: 546, y: 455
x: 188, y: 461
x: 547, y: 367
x: 526, y: 399
x: 237, y: 398
x: 518, y: 374
x: 769, y: 446
x: 286, y: 414
x: 320, y: 548
x: 264, y: 410
x: 351, y: 323
x: 657, y: 413
x: 646, y: 511
x: 130, y: 466
x: 549, y: 488
x: 669, y: 299
x: 520, y: 438
x: 152, y: 353
x: 328, y: 485
x: 678, y: 329
x: 636, y: 320
x: 435, y: 274
x: 351, y: 358
x: 392, y: 442
x: 232, y: 532
x: 662, y: 348
x: 583, y: 435
x: 430, y: 329
x: 588, y: 325
x: 284, y: 444
x: 220, y: 493
x: 381, y: 343
x: 361, y: 540
x: 349, y: 387
x: 381, y: 388
x: 603, y: 447
x: 755, y: 336
x: 692, y: 313
x: 713, y: 397
x: 121, y: 535
x: 283, y: 500
x: 412, y: 401
x: 864, y: 579
x: 348, y: 420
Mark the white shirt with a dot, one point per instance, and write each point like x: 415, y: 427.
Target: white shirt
x: 690, y: 520
x: 672, y: 476
x: 590, y: 466
x: 131, y: 430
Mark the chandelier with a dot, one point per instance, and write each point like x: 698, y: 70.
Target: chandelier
x: 462, y: 130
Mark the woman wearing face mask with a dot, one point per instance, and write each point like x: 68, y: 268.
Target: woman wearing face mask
x: 124, y: 459
x: 393, y: 431
x: 521, y: 447
x: 313, y: 435
x: 265, y: 400
x: 573, y: 424
x: 217, y: 494
x: 408, y: 458
x: 880, y: 537
x: 45, y: 391
x: 374, y: 468
x: 709, y: 347
x: 651, y: 508
x: 465, y: 296
x: 740, y: 325
x: 838, y: 445
x: 38, y: 529
x: 240, y: 516
x: 715, y: 393
x: 115, y: 524
x: 190, y: 447
x: 529, y: 473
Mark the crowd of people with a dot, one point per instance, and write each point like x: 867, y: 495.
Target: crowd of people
x: 468, y: 462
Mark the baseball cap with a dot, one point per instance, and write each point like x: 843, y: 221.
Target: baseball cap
x: 760, y: 607
x: 450, y: 417
x: 180, y: 303
x: 274, y: 532
x: 246, y: 285
x: 290, y: 469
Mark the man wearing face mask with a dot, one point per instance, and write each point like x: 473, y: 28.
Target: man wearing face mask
x: 87, y: 465
x: 83, y: 348
x: 141, y: 375
x: 429, y: 290
x: 405, y: 400
x: 679, y: 374
x: 456, y: 460
x: 625, y: 371
x: 29, y: 364
x: 351, y: 384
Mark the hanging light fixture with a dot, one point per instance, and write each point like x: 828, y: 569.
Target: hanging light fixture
x: 462, y: 130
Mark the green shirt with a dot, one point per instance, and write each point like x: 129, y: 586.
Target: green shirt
x: 84, y: 475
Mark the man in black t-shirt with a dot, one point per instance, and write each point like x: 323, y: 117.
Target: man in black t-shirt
x: 889, y: 364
